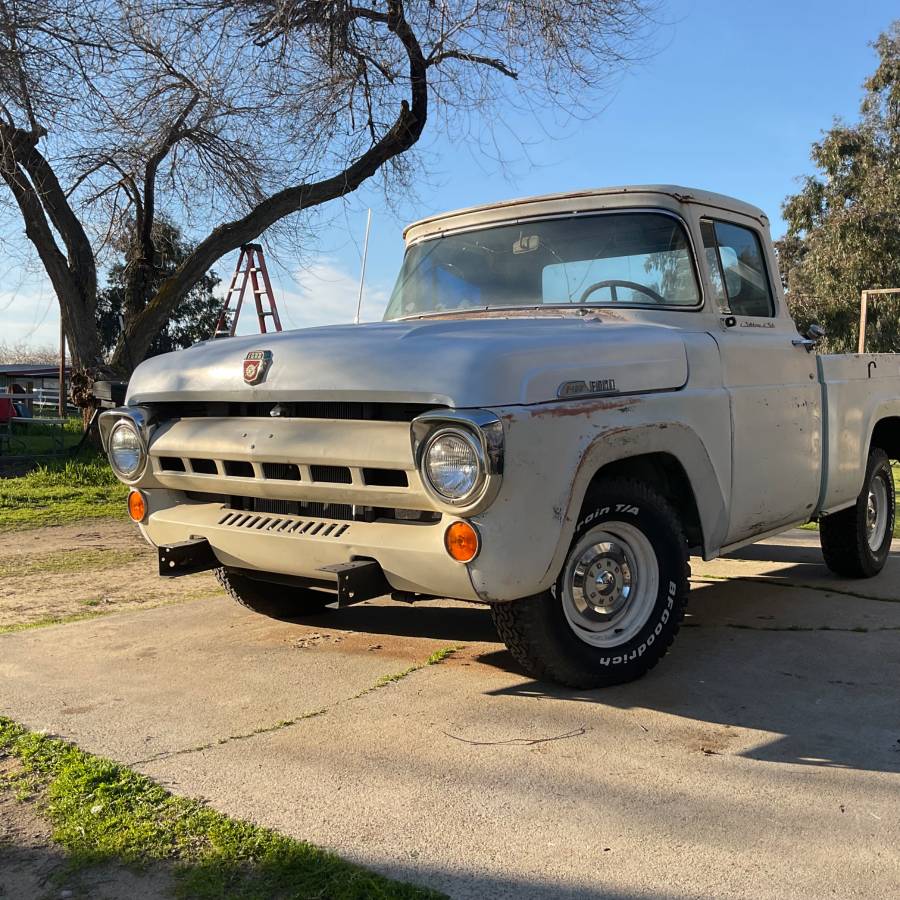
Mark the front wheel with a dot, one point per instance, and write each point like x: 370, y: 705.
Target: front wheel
x: 856, y: 541
x: 619, y: 600
x: 278, y: 601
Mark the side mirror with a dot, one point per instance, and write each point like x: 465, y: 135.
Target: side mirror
x: 814, y: 335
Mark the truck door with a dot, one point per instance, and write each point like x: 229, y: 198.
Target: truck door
x: 774, y: 392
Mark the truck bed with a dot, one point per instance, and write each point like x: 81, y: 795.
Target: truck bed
x: 858, y: 390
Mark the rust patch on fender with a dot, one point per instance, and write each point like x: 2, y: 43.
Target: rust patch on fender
x: 584, y: 407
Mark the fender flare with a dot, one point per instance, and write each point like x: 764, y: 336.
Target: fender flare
x: 672, y: 438
x: 888, y: 409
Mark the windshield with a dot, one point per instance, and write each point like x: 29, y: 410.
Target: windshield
x: 635, y: 259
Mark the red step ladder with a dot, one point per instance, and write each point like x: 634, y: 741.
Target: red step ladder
x: 251, y: 264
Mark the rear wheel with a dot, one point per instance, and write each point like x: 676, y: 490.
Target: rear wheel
x: 856, y: 541
x: 619, y: 599
x: 277, y: 601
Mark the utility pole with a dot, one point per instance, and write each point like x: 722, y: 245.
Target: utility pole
x: 61, y: 409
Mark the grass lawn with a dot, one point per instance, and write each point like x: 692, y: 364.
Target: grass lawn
x: 103, y: 813
x: 60, y: 492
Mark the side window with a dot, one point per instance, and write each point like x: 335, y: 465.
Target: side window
x: 740, y: 282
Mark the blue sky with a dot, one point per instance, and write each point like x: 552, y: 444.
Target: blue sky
x: 730, y: 101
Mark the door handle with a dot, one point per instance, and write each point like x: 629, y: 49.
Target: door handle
x: 806, y: 343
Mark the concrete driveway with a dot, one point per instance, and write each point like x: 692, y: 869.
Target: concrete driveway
x: 760, y: 759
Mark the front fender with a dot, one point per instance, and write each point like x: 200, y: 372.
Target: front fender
x: 553, y: 452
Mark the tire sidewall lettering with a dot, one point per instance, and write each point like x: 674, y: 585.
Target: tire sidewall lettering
x: 618, y: 508
x: 657, y: 623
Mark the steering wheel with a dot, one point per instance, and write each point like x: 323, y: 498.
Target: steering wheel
x: 613, y: 283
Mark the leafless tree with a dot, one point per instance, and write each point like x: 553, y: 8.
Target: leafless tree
x: 20, y: 352
x: 231, y: 115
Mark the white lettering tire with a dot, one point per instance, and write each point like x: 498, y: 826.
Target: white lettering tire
x: 619, y: 600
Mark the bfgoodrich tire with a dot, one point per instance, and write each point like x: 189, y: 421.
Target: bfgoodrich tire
x: 278, y: 601
x: 619, y: 600
x: 856, y: 541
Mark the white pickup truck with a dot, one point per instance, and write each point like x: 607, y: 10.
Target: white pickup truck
x: 568, y: 395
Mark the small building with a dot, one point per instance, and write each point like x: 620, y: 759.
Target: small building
x: 39, y: 379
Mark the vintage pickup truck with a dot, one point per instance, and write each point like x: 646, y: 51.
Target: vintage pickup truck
x: 568, y: 395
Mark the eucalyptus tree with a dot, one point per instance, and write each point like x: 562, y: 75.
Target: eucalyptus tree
x: 844, y: 224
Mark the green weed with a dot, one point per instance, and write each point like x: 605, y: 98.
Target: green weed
x: 105, y: 813
x: 61, y: 492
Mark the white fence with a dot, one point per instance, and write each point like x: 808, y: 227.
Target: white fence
x: 42, y: 399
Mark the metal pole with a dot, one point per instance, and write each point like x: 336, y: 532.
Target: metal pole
x: 362, y: 274
x: 61, y: 409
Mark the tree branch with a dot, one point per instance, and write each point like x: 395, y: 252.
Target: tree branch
x: 171, y: 138
x: 53, y: 199
x: 39, y: 233
x: 498, y: 64
x: 403, y: 134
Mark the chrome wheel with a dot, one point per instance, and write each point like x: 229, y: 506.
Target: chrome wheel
x: 877, y: 512
x: 610, y: 584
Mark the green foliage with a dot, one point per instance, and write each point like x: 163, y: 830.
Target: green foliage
x: 50, y: 620
x: 61, y: 492
x: 844, y: 225
x: 195, y: 316
x: 103, y: 812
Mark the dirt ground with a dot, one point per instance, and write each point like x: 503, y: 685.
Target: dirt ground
x: 57, y: 573
x: 91, y: 567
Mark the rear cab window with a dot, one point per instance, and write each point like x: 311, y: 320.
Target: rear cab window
x: 738, y: 274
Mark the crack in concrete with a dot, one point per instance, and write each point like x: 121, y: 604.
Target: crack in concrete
x: 826, y: 589
x: 437, y: 657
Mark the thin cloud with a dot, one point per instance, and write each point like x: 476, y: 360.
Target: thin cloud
x: 324, y: 294
x: 31, y: 317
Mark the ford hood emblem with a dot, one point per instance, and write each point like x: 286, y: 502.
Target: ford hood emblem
x: 256, y: 364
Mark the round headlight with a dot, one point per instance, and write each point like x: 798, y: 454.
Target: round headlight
x: 126, y: 450
x: 452, y: 465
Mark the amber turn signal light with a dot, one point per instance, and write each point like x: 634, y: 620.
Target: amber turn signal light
x: 137, y: 506
x: 462, y: 541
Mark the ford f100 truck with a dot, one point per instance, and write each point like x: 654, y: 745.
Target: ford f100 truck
x: 568, y: 395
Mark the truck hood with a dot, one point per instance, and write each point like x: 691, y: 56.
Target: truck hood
x: 449, y: 362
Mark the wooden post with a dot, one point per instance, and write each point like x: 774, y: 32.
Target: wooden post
x: 863, y: 309
x: 29, y: 403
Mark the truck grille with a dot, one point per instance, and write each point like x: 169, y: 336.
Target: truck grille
x: 281, y: 471
x: 331, y: 468
x: 305, y: 527
x: 276, y: 471
x: 312, y: 508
